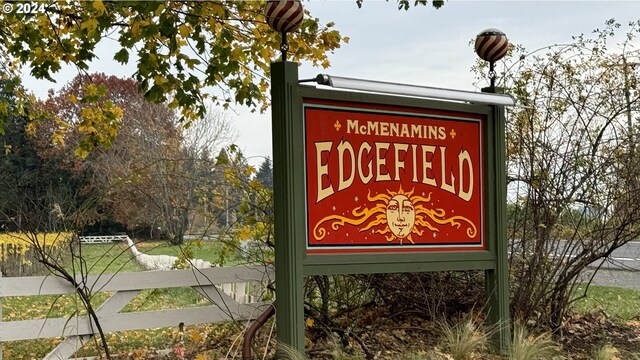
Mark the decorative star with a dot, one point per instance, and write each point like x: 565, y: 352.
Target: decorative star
x: 334, y: 208
x: 337, y: 125
x: 356, y: 199
x: 435, y: 235
x: 452, y: 133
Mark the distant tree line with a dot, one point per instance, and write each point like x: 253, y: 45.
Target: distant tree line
x: 157, y: 178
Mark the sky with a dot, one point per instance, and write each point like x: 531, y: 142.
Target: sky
x: 422, y: 46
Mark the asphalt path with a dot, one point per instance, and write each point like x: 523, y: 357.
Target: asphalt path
x: 621, y: 269
x: 616, y: 278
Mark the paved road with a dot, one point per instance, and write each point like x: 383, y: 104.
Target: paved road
x: 626, y: 257
x: 622, y: 269
x: 617, y: 278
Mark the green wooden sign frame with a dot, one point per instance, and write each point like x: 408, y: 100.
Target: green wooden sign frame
x: 292, y: 263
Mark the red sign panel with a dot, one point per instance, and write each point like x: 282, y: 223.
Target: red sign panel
x: 392, y: 179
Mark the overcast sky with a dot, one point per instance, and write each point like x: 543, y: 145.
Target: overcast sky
x: 421, y: 46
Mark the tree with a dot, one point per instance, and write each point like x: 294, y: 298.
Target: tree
x: 572, y: 167
x: 33, y: 178
x: 180, y: 48
x: 265, y: 174
x: 151, y: 175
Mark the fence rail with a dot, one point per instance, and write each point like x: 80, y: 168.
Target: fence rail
x: 232, y: 291
x: 102, y: 239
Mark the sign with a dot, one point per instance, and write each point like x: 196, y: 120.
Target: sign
x: 392, y: 179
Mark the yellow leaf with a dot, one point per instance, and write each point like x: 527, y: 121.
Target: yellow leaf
x: 135, y: 28
x: 99, y: 6
x: 184, y: 30
x: 30, y: 129
x: 81, y: 153
x: 87, y: 129
x: 73, y: 99
x: 217, y: 9
x: 91, y: 25
x: 309, y: 322
x: 244, y: 233
x: 117, y: 112
x: 159, y: 10
x: 201, y: 357
x: 159, y: 80
x: 86, y: 113
x: 57, y: 138
x: 91, y: 90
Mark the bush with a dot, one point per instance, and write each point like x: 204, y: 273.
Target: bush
x: 19, y: 252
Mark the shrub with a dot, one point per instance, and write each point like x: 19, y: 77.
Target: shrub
x: 19, y: 251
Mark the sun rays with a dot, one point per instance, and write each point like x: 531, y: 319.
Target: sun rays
x: 398, y: 216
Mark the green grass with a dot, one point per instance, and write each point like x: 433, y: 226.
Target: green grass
x: 106, y: 258
x: 116, y: 257
x: 621, y: 304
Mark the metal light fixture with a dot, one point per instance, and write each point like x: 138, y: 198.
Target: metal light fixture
x: 414, y: 90
x: 491, y: 45
x: 284, y: 16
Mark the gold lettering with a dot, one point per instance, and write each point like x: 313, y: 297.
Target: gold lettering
x: 384, y: 129
x: 352, y: 125
x: 427, y: 165
x: 322, y: 170
x: 400, y: 163
x: 405, y: 130
x: 380, y: 162
x: 443, y: 162
x: 343, y: 184
x: 363, y: 147
x: 465, y: 158
x: 416, y: 131
x: 394, y: 129
x: 414, y: 148
x: 433, y: 132
x: 441, y: 133
x: 372, y: 127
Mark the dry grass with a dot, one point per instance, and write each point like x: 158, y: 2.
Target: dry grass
x: 606, y: 352
x: 526, y: 346
x: 463, y: 339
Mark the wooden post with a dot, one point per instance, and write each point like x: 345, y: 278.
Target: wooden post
x: 289, y: 200
x: 497, y: 280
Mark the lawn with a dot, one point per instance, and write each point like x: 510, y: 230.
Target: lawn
x: 621, y: 304
x: 104, y: 259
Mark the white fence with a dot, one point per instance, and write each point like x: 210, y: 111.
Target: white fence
x: 103, y: 239
x: 243, y: 283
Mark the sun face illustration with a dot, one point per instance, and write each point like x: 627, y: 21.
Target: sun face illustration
x: 398, y: 216
x: 401, y: 216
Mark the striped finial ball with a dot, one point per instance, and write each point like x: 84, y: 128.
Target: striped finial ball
x: 284, y: 15
x: 491, y: 45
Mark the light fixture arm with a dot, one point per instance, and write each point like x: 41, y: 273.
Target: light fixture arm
x: 414, y: 90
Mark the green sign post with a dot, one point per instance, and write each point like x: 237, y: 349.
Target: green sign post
x: 381, y: 177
